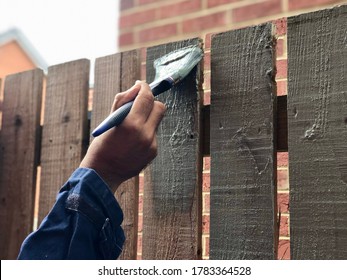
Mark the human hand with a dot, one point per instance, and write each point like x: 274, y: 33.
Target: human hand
x: 122, y: 152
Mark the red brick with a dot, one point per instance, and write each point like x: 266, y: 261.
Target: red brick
x: 207, y: 97
x: 206, y: 224
x: 206, y: 182
x: 282, y: 159
x: 141, y: 204
x: 204, y: 22
x: 137, y: 18
x: 126, y: 39
x: 143, y: 55
x: 207, y: 61
x: 139, y: 244
x: 281, y: 66
x: 281, y: 88
x: 281, y: 26
x: 284, y: 229
x: 207, y: 163
x: 282, y: 180
x: 208, y: 38
x: 145, y: 2
x: 283, y: 250
x: 140, y: 223
x: 279, y: 47
x: 300, y: 4
x: 143, y: 72
x: 126, y: 4
x: 180, y: 8
x: 207, y: 81
x: 214, y: 3
x: 206, y: 246
x: 283, y: 202
x: 160, y: 32
x: 257, y: 10
x: 141, y: 183
x: 206, y: 203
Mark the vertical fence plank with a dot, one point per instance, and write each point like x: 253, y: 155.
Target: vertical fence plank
x: 317, y: 120
x: 19, y: 146
x: 113, y: 74
x: 172, y: 194
x: 65, y: 129
x: 243, y: 172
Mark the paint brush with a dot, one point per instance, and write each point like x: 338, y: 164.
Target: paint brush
x: 170, y: 70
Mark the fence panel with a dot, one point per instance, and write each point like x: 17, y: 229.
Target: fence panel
x: 65, y: 130
x: 243, y: 162
x: 317, y: 125
x: 19, y: 140
x: 113, y: 74
x: 172, y: 194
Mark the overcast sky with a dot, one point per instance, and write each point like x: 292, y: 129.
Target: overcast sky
x: 63, y: 30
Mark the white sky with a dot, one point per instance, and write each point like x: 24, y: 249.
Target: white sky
x: 64, y: 30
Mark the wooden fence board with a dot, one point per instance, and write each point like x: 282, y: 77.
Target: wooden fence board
x: 19, y: 147
x: 172, y: 194
x: 113, y: 74
x: 65, y: 130
x: 243, y: 162
x: 317, y: 120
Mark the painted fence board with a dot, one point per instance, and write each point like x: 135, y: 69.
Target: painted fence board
x: 317, y: 125
x: 172, y: 192
x: 19, y: 155
x: 65, y: 129
x: 113, y: 74
x: 243, y: 162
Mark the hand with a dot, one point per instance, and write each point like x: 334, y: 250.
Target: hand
x: 122, y: 152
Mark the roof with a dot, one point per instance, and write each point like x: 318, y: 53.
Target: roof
x: 14, y: 34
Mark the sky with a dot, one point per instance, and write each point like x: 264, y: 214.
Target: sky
x: 64, y: 30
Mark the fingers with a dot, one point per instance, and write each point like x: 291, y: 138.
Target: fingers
x: 126, y: 96
x: 143, y: 104
x: 156, y: 115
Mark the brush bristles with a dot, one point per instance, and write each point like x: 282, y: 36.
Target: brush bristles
x: 178, y: 64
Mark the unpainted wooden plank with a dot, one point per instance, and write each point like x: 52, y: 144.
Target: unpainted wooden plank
x: 65, y: 129
x: 19, y: 139
x: 172, y: 193
x: 243, y: 162
x: 113, y: 74
x: 317, y: 120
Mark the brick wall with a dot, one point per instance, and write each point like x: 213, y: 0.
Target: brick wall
x: 146, y: 23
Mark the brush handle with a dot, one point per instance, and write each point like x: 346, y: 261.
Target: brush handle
x: 117, y: 117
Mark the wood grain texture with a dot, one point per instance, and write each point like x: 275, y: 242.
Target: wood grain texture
x: 65, y: 130
x: 317, y: 120
x: 243, y: 162
x: 172, y: 194
x: 281, y: 129
x: 19, y: 141
x: 113, y: 74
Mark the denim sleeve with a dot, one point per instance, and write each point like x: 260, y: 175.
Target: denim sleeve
x: 84, y: 223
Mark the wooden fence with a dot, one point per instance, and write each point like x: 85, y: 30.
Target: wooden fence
x: 242, y: 129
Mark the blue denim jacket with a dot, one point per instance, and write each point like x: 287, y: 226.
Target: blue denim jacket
x: 84, y: 223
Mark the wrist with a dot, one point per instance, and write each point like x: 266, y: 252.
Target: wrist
x: 110, y: 179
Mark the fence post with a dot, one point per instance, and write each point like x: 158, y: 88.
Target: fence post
x: 172, y: 191
x: 113, y: 74
x: 65, y: 129
x: 19, y: 155
x: 317, y: 126
x: 243, y: 145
